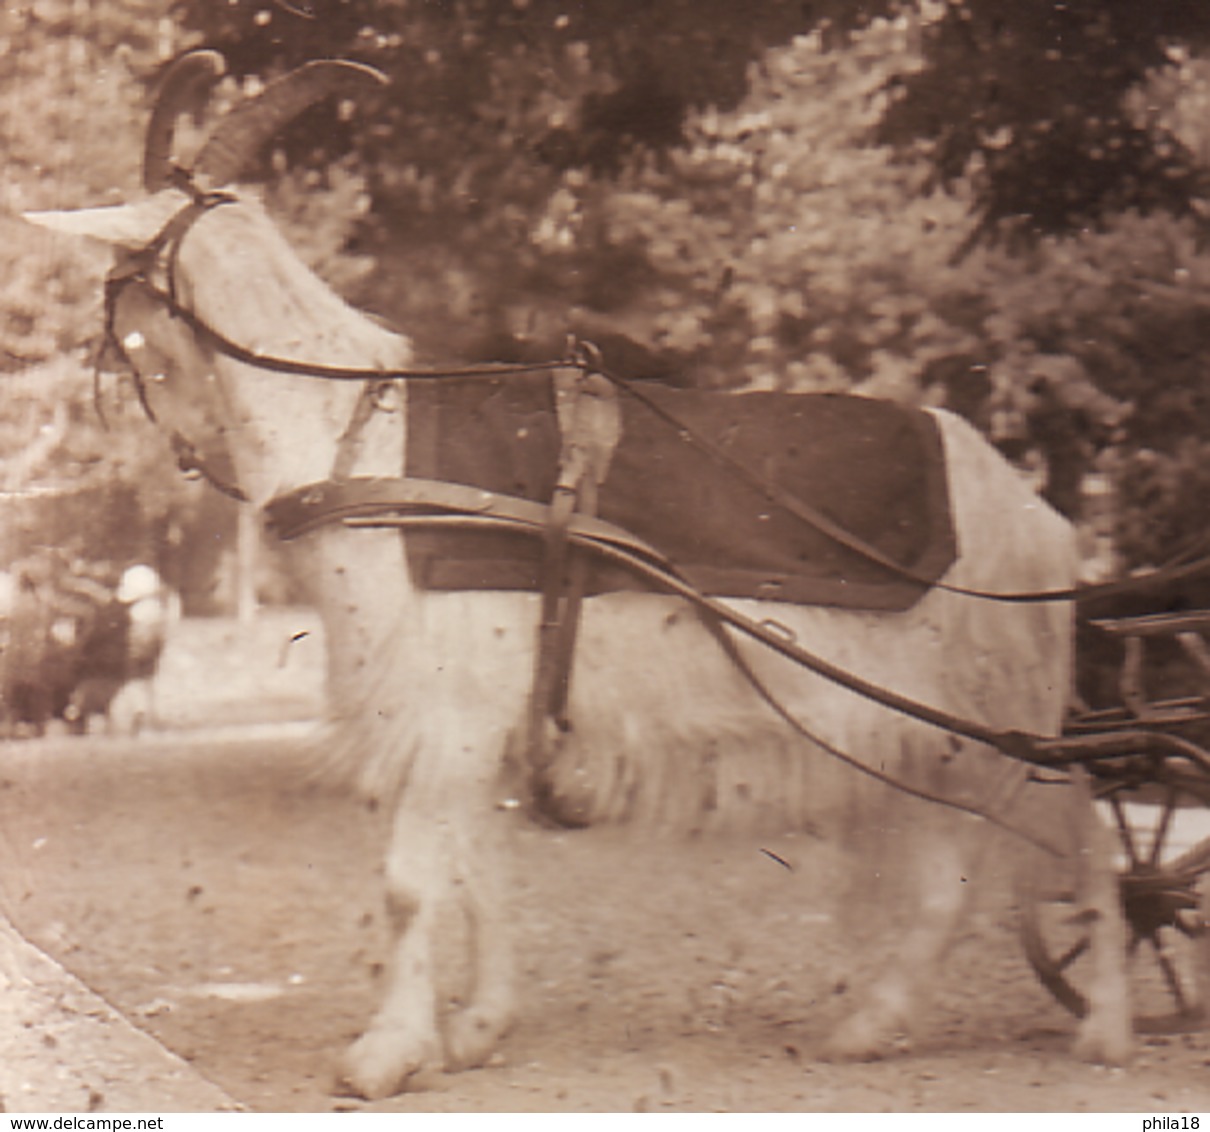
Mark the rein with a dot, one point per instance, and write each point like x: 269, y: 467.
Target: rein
x: 584, y: 357
x: 297, y: 368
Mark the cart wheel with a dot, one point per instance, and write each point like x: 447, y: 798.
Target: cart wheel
x: 1166, y: 905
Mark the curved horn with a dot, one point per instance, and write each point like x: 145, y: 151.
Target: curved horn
x: 242, y: 132
x: 183, y: 86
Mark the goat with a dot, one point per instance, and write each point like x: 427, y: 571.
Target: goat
x: 429, y: 690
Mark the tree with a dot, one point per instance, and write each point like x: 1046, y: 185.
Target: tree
x: 1038, y: 92
x: 490, y: 106
x: 780, y: 247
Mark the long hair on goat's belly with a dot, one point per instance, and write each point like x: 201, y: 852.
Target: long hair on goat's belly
x: 665, y: 730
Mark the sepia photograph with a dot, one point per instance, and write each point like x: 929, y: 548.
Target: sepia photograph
x: 604, y: 556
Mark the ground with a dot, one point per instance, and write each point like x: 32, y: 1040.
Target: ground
x: 230, y: 907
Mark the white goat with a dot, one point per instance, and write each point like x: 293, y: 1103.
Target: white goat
x: 429, y: 690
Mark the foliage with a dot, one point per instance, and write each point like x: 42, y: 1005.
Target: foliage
x: 490, y: 105
x: 1041, y: 93
x: 1094, y: 348
x: 56, y: 156
x: 566, y: 85
x: 1037, y: 92
x: 786, y: 248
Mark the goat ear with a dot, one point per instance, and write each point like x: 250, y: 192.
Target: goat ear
x: 126, y: 225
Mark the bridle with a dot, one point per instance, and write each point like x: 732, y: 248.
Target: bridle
x: 162, y: 252
x: 135, y: 270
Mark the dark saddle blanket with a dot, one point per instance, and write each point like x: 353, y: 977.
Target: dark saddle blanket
x: 874, y: 468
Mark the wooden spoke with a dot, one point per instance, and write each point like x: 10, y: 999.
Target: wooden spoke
x: 1171, y: 977
x: 1073, y: 952
x: 1164, y: 903
x: 1161, y: 830
x: 1124, y: 830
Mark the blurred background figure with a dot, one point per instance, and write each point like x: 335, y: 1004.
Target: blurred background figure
x: 120, y: 655
x: 74, y: 634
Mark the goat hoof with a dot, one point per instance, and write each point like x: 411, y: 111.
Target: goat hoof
x: 1094, y: 1044
x: 471, y: 1037
x: 864, y: 1039
x: 382, y: 1063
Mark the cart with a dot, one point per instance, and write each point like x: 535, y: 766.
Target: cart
x: 1150, y: 771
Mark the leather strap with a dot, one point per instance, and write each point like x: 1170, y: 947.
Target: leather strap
x: 306, y: 508
x: 590, y: 424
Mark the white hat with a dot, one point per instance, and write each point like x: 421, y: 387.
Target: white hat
x: 137, y: 583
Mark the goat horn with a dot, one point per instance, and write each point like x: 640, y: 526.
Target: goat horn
x: 183, y: 86
x: 242, y: 132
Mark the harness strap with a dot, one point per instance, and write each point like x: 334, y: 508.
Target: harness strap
x: 405, y: 502
x: 592, y: 418
x: 1043, y: 751
x: 590, y: 424
x: 321, y: 371
x: 552, y: 669
x: 363, y: 498
x: 349, y: 441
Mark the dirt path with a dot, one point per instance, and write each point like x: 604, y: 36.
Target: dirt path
x: 233, y: 912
